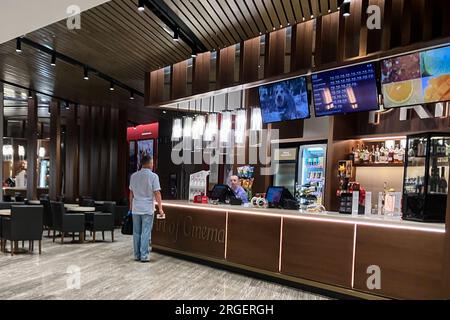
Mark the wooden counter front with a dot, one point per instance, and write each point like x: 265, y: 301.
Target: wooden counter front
x: 192, y: 230
x: 318, y: 251
x: 254, y: 240
x: 410, y: 262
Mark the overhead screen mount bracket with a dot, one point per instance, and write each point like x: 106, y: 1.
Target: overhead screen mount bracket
x: 173, y: 21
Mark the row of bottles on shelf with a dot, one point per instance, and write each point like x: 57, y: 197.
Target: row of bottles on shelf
x: 317, y: 161
x: 439, y: 147
x: 437, y: 184
x: 378, y: 154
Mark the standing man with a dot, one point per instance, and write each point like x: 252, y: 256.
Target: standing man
x: 239, y: 192
x: 144, y: 190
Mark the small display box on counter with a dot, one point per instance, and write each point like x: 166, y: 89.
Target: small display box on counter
x: 425, y: 185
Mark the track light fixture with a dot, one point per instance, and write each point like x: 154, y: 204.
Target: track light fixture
x: 30, y: 95
x: 339, y: 3
x: 176, y: 35
x: 111, y: 87
x: 194, y: 53
x: 141, y: 5
x: 131, y: 95
x: 86, y: 73
x: 18, y: 45
x: 53, y: 63
x: 346, y: 9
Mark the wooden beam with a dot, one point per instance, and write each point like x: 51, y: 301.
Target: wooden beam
x: 31, y: 132
x: 55, y: 151
x: 85, y: 151
x: 72, y: 155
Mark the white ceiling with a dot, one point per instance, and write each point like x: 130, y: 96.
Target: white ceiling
x: 18, y: 17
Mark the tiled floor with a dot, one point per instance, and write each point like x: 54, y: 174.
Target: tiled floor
x: 107, y: 270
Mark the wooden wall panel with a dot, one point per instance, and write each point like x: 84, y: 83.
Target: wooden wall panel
x: 396, y: 23
x: 72, y: 155
x: 275, y: 52
x: 410, y: 262
x: 319, y: 251
x: 250, y: 60
x: 353, y: 30
x: 105, y: 154
x: 179, y: 80
x: 192, y: 230
x: 122, y: 187
x: 327, y: 42
x: 94, y: 152
x: 302, y: 46
x: 156, y: 86
x: 375, y: 36
x: 225, y: 76
x: 55, y: 151
x: 85, y: 149
x: 3, y: 126
x: 201, y: 73
x: 31, y: 132
x: 245, y: 235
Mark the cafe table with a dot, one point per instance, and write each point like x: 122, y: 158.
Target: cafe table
x: 5, y: 212
x: 77, y: 208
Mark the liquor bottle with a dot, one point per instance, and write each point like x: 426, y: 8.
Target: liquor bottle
x: 351, y: 156
x: 383, y: 156
x: 356, y: 154
x: 434, y: 179
x: 372, y: 155
x: 396, y: 152
x: 420, y: 149
x: 377, y: 154
x: 361, y: 154
x: 442, y: 182
x: 401, y: 155
x: 390, y: 153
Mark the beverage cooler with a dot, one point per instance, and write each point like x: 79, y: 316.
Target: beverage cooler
x: 286, y: 168
x: 311, y: 173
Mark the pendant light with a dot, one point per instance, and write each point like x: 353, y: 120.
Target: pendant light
x: 198, y: 126
x: 255, y: 127
x: 212, y: 127
x: 225, y: 128
x: 240, y: 126
x: 187, y: 133
x: 177, y: 129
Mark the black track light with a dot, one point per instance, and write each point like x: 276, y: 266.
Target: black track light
x: 18, y: 45
x: 339, y: 3
x: 111, y: 87
x: 30, y: 96
x: 176, y: 35
x: 53, y: 63
x: 141, y: 5
x: 86, y: 73
x: 131, y: 95
x: 346, y: 9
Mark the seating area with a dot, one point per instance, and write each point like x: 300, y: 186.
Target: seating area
x: 29, y: 221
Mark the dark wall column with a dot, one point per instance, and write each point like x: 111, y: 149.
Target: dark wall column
x: 32, y: 133
x: 85, y: 151
x: 95, y: 151
x: 122, y: 155
x: 55, y: 151
x: 72, y: 155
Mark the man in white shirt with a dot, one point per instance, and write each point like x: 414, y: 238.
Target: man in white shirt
x: 144, y: 190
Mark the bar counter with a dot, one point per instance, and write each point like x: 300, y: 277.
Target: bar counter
x: 330, y: 251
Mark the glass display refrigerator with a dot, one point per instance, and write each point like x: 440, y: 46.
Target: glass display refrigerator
x: 425, y: 184
x: 311, y: 173
x: 285, y: 168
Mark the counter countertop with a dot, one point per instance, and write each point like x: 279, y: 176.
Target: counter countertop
x: 372, y: 220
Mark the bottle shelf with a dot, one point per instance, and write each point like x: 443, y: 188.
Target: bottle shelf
x: 379, y: 164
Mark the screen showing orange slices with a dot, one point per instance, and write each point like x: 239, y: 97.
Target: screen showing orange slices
x: 399, y: 92
x: 438, y: 89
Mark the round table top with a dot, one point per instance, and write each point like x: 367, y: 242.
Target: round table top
x: 34, y: 202
x: 79, y: 209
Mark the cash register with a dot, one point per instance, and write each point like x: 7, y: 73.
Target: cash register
x: 223, y: 194
x: 280, y: 197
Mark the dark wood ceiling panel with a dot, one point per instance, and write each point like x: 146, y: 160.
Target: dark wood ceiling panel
x: 237, y: 11
x: 333, y: 5
x: 180, y: 9
x: 279, y: 9
x: 315, y: 7
x: 219, y: 20
x: 264, y: 14
x: 268, y: 4
x: 228, y: 25
x: 306, y: 9
x: 324, y: 6
x: 253, y: 10
x: 251, y: 21
x: 288, y: 8
x: 214, y: 21
x: 297, y: 10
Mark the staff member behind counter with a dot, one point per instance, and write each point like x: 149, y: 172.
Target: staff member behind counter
x: 239, y: 192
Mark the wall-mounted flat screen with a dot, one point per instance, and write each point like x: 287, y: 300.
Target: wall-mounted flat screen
x: 421, y: 77
x: 345, y: 90
x: 144, y: 148
x: 284, y: 100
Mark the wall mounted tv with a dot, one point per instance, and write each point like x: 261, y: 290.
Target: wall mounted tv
x: 417, y: 78
x: 345, y: 90
x: 284, y: 100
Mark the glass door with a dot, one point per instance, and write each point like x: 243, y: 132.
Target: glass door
x: 312, y: 170
x: 439, y: 165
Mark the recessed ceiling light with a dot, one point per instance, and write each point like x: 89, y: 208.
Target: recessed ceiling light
x: 18, y: 45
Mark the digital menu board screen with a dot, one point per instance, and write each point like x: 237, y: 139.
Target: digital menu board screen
x: 345, y: 90
x: 284, y: 100
x: 422, y: 77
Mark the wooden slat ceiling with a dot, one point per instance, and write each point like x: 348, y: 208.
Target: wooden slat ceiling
x: 118, y: 40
